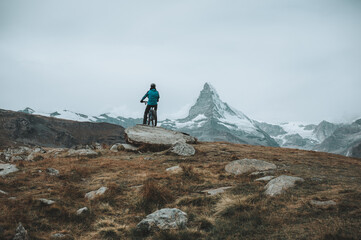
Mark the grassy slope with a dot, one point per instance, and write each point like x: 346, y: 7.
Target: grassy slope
x: 139, y: 186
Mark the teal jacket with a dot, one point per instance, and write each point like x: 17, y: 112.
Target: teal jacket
x: 153, y: 97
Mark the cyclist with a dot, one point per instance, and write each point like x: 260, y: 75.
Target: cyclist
x: 153, y: 99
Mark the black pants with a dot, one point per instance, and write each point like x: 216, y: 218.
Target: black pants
x: 147, y: 109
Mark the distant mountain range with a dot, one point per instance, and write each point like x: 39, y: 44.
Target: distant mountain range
x: 211, y: 119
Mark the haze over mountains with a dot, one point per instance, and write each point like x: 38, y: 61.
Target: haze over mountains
x: 211, y: 119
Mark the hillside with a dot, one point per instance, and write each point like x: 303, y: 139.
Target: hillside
x: 18, y: 128
x: 139, y: 184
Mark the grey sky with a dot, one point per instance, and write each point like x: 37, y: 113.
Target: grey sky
x: 275, y: 60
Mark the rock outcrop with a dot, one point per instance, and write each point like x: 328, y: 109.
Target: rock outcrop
x: 238, y: 167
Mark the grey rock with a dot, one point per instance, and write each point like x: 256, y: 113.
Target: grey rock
x: 129, y: 147
x: 144, y: 134
x: 280, y: 184
x: 265, y: 179
x: 91, y: 195
x: 216, y: 190
x: 183, y: 149
x: 82, y: 211
x: 117, y: 147
x: 323, y: 204
x: 17, y: 158
x: 21, y: 233
x: 39, y: 150
x: 61, y: 236
x: 238, y: 167
x: 2, y: 192
x: 52, y: 171
x: 82, y: 152
x: 46, y: 201
x: 6, y: 169
x: 166, y: 218
x: 174, y: 169
x: 98, y: 146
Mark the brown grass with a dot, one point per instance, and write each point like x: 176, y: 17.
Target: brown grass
x: 137, y: 187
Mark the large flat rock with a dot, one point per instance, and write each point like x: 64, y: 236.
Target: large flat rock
x: 6, y: 169
x: 144, y: 134
x: 238, y: 167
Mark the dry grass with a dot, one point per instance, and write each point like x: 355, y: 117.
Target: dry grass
x: 138, y: 184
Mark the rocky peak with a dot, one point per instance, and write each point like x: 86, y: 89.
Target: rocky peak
x: 211, y: 106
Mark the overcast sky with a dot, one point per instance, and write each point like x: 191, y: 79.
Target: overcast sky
x: 274, y: 60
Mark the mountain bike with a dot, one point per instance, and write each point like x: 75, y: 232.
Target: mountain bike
x: 152, y: 115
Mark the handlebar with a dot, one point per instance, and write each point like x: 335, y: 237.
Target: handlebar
x: 145, y: 102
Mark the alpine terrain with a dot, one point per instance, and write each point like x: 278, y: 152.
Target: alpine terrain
x: 210, y: 119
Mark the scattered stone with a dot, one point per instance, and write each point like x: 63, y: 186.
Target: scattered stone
x: 129, y: 147
x: 12, y: 198
x: 323, y: 204
x: 98, y: 146
x: 91, y: 195
x: 46, y: 201
x: 117, y: 147
x: 6, y: 169
x: 265, y: 179
x: 82, y: 211
x: 166, y: 218
x: 52, y: 171
x: 280, y: 184
x: 216, y: 191
x: 21, y: 233
x: 17, y: 158
x: 238, y: 167
x: 39, y: 150
x: 61, y: 236
x: 2, y: 192
x: 183, y: 149
x: 175, y: 169
x: 82, y: 152
x: 143, y: 134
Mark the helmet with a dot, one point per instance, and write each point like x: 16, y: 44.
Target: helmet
x: 152, y: 85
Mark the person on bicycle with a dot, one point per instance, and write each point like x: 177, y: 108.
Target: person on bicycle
x: 153, y: 99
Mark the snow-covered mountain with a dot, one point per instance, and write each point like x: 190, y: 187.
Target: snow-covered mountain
x: 299, y: 135
x: 210, y: 119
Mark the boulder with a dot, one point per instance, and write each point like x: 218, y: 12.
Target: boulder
x: 61, y: 236
x: 82, y: 152
x: 238, y: 167
x: 21, y: 233
x: 280, y: 184
x: 91, y: 195
x: 6, y: 169
x: 144, y: 134
x: 166, y: 218
x: 183, y: 149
